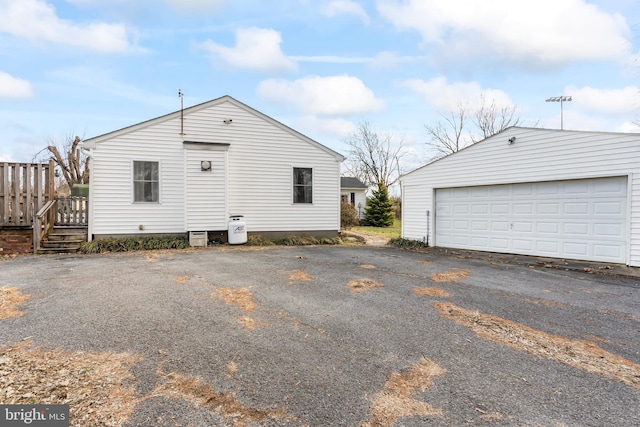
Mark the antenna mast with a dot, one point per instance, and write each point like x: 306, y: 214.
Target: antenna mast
x: 181, y: 96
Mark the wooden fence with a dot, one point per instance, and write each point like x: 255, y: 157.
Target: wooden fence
x: 24, y: 189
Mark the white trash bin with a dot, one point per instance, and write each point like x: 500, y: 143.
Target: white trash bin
x: 237, y: 230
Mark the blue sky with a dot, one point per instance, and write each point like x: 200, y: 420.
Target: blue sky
x: 86, y: 67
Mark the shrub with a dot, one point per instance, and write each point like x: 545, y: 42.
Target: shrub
x: 406, y: 243
x: 348, y: 215
x: 135, y: 244
x: 258, y: 240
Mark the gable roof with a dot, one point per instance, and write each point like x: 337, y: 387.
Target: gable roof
x: 517, y: 131
x: 351, y: 182
x: 92, y: 142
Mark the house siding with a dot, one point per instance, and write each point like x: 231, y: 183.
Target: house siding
x: 259, y: 172
x: 536, y: 155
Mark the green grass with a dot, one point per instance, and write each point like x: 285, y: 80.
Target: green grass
x: 388, y: 232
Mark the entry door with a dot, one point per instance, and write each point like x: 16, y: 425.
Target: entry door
x: 578, y: 219
x: 206, y: 191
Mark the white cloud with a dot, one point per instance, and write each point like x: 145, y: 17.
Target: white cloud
x: 37, y: 21
x: 540, y: 33
x: 255, y: 49
x: 13, y: 87
x: 336, y: 127
x: 629, y: 127
x: 346, y: 7
x: 334, y: 95
x: 445, y: 96
x: 196, y: 5
x: 607, y: 101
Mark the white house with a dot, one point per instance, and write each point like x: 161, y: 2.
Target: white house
x: 192, y: 169
x: 353, y: 191
x: 551, y: 193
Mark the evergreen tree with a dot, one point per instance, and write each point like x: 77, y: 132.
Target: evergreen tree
x: 379, y: 211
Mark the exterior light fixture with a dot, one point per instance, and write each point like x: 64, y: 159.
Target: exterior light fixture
x: 205, y: 165
x: 561, y: 99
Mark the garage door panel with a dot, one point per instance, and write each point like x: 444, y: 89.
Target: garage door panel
x: 548, y: 208
x: 582, y: 219
x: 523, y: 208
x: 607, y: 208
x: 522, y: 245
x: 480, y: 209
x: 576, y: 208
x: 523, y: 227
x: 502, y: 244
x: 576, y: 250
x: 499, y: 226
x: 548, y: 227
x: 608, y: 230
x: 576, y: 229
x: 500, y: 209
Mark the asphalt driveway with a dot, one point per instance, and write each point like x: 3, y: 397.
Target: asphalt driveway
x: 326, y: 336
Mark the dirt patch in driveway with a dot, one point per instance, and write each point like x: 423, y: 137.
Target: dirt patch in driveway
x: 396, y: 400
x: 200, y: 394
x: 9, y: 299
x: 578, y: 353
x: 450, y: 276
x: 431, y: 292
x: 240, y: 298
x: 96, y: 386
x: 299, y: 276
x: 362, y: 285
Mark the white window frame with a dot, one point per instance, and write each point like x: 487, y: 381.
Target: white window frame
x: 133, y: 182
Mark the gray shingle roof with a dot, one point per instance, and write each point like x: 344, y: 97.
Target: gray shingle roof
x: 351, y: 182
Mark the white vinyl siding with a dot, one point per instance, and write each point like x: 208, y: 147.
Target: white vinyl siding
x: 537, y: 155
x: 112, y: 210
x: 259, y: 160
x: 261, y: 157
x: 360, y: 198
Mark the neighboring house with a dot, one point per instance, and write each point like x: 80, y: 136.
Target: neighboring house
x: 551, y: 193
x: 192, y: 169
x: 353, y: 191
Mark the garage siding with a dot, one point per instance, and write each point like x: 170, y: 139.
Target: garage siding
x: 537, y: 155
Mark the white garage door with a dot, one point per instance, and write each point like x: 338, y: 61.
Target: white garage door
x: 579, y: 219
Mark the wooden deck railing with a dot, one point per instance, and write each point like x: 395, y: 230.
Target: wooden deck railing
x: 62, y: 211
x: 43, y: 223
x: 71, y: 211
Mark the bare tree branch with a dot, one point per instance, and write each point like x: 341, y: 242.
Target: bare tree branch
x: 71, y: 161
x: 466, y: 126
x: 374, y: 158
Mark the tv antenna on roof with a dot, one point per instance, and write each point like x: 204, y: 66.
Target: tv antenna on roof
x: 181, y: 96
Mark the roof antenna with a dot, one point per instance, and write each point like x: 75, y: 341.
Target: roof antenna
x: 181, y: 96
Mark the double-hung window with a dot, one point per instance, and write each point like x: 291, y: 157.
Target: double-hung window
x: 146, y: 182
x: 302, y: 185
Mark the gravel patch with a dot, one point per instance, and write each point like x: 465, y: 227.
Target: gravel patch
x: 238, y: 336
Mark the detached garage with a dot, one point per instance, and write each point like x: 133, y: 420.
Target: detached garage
x: 551, y: 193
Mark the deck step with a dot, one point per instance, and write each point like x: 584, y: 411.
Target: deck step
x: 63, y: 240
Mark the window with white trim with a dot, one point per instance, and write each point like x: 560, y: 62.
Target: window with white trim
x: 302, y: 185
x: 146, y: 182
